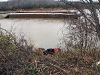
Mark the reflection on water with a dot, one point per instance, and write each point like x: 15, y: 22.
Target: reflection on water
x: 43, y: 33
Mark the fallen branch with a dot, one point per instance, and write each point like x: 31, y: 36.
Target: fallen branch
x: 59, y: 68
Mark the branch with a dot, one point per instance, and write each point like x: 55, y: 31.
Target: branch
x: 80, y: 10
x: 99, y: 1
x: 59, y: 68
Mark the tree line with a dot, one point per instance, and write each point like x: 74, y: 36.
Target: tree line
x: 30, y: 4
x: 34, y: 4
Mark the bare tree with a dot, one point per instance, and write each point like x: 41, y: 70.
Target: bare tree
x: 85, y: 31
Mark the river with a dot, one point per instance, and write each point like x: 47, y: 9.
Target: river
x: 42, y: 32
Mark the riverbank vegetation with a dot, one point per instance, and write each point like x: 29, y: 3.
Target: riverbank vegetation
x: 19, y: 58
x: 37, y: 4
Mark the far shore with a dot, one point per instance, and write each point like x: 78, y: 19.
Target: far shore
x: 41, y: 13
x: 60, y: 10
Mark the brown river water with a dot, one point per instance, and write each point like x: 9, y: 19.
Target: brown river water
x: 42, y: 32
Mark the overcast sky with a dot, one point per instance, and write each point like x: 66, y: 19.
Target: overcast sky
x: 3, y: 0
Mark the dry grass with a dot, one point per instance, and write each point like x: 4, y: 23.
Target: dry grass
x: 20, y: 59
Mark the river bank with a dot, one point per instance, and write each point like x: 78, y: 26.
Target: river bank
x: 31, y: 61
x: 41, y: 10
x: 41, y: 13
